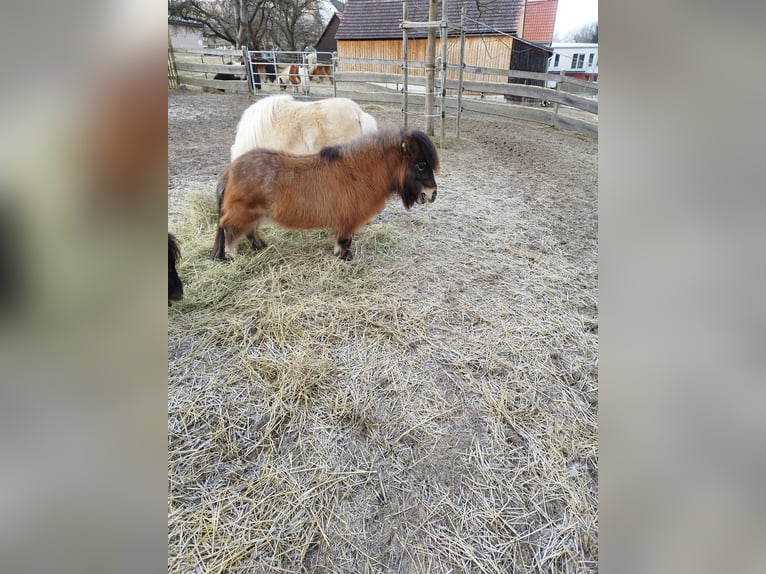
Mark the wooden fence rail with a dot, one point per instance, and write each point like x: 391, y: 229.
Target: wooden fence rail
x: 191, y: 67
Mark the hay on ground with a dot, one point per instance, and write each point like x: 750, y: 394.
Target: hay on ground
x: 430, y: 406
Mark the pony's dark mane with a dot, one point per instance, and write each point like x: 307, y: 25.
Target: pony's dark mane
x: 383, y: 140
x: 174, y: 253
x: 175, y: 286
x: 329, y: 153
x: 428, y: 149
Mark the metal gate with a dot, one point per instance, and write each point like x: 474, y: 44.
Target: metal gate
x: 283, y: 68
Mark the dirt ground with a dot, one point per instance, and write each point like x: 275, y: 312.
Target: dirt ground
x: 502, y: 153
x: 499, y: 277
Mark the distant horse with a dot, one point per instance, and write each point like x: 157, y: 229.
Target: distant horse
x: 282, y: 123
x: 175, y: 287
x: 311, y: 60
x: 342, y: 188
x: 322, y: 71
x: 294, y: 75
x: 263, y: 68
x: 226, y: 76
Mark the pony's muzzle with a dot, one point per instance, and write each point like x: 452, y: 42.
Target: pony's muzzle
x: 428, y: 195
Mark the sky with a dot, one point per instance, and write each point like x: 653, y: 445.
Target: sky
x: 572, y: 14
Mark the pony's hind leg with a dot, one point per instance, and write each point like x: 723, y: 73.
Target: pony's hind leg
x: 342, y: 245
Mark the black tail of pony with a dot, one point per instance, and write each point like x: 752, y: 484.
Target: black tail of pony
x: 175, y: 286
x: 220, y: 243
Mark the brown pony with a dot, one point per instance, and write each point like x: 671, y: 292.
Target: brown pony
x: 290, y: 75
x: 321, y: 71
x: 342, y: 187
x: 263, y: 68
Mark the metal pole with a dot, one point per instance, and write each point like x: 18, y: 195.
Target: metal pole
x: 443, y: 37
x: 404, y: 64
x: 334, y: 69
x: 460, y: 71
x: 248, y: 70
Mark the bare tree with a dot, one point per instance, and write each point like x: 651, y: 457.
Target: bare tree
x: 588, y: 34
x: 251, y: 23
x: 294, y: 24
x: 243, y: 31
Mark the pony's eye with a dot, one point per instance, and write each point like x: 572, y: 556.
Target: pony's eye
x: 421, y: 165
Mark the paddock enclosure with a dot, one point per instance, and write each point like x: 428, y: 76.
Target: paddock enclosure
x: 429, y: 407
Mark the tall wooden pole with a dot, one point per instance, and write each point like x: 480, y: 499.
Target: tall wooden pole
x: 430, y: 66
x: 405, y: 63
x: 460, y: 71
x: 443, y: 35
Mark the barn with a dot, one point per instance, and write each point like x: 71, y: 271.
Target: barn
x: 494, y: 33
x: 327, y: 41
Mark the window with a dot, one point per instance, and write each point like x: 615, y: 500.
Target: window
x: 590, y: 60
x: 577, y: 61
x: 556, y: 60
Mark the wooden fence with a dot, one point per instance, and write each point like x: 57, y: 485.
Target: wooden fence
x: 199, y: 67
x: 571, y: 105
x: 564, y: 103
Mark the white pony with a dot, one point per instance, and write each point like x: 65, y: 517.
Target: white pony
x: 304, y: 75
x: 284, y: 124
x: 290, y: 76
x: 311, y: 61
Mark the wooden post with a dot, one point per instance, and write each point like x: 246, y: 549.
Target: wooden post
x: 460, y: 71
x: 172, y: 71
x: 443, y: 36
x: 404, y: 64
x: 430, y: 67
x: 556, y: 104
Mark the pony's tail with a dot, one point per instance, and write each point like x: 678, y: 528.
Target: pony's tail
x: 223, y: 179
x: 219, y: 247
x: 219, y: 251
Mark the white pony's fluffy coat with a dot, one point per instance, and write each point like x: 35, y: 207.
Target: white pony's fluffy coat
x: 304, y: 75
x: 284, y: 124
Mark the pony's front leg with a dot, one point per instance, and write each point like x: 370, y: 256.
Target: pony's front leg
x: 231, y: 241
x: 341, y: 249
x: 225, y: 246
x: 255, y: 239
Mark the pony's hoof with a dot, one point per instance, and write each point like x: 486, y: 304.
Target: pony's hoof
x: 346, y: 255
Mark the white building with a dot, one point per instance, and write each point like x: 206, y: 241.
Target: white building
x: 577, y: 60
x: 184, y: 34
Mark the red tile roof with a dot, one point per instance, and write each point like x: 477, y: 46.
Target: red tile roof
x: 539, y: 20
